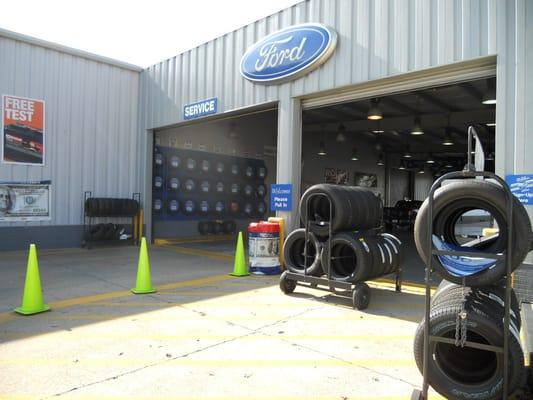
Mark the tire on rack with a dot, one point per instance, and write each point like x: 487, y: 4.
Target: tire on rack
x: 173, y: 183
x: 229, y: 226
x: 350, y: 260
x: 261, y: 208
x: 353, y: 208
x: 261, y: 190
x: 158, y: 182
x: 205, y: 166
x: 217, y: 227
x: 157, y: 205
x: 189, y: 185
x: 204, y: 227
x: 205, y: 186
x: 91, y: 206
x: 456, y: 198
x: 220, y: 207
x: 463, y: 372
x: 248, y: 209
x: 189, y: 207
x: 204, y: 207
x: 173, y: 206
x: 293, y: 253
x: 190, y: 164
x: 174, y: 162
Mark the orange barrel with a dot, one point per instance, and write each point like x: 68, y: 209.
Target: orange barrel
x: 263, y: 248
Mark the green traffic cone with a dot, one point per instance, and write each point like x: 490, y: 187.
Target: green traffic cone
x: 144, y: 282
x: 239, y: 267
x: 32, y: 299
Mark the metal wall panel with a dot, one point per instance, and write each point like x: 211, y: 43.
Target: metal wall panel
x: 91, y: 109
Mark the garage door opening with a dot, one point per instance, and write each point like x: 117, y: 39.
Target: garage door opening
x: 210, y: 179
x: 397, y: 145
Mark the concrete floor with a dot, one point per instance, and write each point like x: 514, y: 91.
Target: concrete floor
x: 204, y: 334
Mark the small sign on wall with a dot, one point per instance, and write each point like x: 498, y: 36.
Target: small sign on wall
x: 336, y: 176
x: 522, y: 187
x: 281, y: 197
x: 200, y: 108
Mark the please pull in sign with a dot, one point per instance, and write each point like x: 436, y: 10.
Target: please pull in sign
x: 200, y: 108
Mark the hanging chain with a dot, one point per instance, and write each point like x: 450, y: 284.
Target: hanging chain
x: 461, y: 326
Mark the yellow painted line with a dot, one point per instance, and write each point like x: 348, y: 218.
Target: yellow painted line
x: 194, y: 239
x: 192, y: 397
x: 113, y: 295
x: 199, y: 252
x: 220, y: 363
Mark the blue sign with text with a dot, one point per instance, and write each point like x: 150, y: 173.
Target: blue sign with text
x: 281, y: 197
x: 200, y: 108
x: 288, y: 53
x: 522, y: 187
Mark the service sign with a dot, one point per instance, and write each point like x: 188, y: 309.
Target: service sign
x: 22, y: 131
x: 522, y: 187
x: 289, y: 53
x: 200, y: 108
x: 281, y: 197
x: 25, y: 201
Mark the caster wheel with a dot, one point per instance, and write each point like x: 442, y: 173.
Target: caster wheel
x: 286, y: 285
x: 361, y: 296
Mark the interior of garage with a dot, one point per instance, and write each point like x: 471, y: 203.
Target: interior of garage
x: 397, y: 145
x: 212, y: 178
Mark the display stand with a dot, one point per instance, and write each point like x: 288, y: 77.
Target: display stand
x: 360, y: 291
x: 468, y: 172
x: 88, y: 223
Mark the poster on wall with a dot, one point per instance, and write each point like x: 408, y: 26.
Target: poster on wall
x: 364, y: 179
x: 22, y: 130
x: 25, y: 201
x: 336, y: 176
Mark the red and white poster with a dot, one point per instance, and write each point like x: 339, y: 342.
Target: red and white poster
x: 22, y: 130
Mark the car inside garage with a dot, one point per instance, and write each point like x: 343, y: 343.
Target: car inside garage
x: 397, y: 145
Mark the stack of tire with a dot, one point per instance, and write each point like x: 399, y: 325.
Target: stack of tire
x: 463, y: 372
x: 355, y: 252
x: 98, y: 207
x: 216, y: 227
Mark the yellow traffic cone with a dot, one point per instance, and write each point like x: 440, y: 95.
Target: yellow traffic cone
x: 239, y: 267
x: 144, y: 282
x: 32, y: 299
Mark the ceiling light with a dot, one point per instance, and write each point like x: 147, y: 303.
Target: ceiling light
x: 374, y: 112
x: 490, y: 157
x: 489, y: 97
x: 322, y: 149
x: 380, y: 160
x: 402, y: 165
x: 354, y: 155
x: 430, y: 160
x: 447, y: 141
x: 341, y: 137
x: 378, y: 128
x: 449, y: 165
x: 407, y: 154
x: 417, y: 128
x: 491, y: 124
x: 421, y: 171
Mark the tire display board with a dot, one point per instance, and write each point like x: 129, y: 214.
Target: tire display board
x: 189, y: 185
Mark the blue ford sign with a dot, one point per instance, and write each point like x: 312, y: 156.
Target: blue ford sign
x: 288, y: 53
x: 200, y: 109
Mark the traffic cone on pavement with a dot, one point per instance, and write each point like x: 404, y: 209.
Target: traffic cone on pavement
x: 143, y: 284
x: 32, y: 299
x: 239, y: 267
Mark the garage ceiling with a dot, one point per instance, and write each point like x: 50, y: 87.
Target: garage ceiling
x: 452, y: 108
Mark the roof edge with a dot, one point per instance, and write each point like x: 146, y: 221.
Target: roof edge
x: 68, y: 50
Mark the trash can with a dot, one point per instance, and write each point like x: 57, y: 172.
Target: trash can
x: 263, y: 248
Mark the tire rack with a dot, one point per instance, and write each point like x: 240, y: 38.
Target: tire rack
x: 358, y: 289
x: 88, y: 222
x: 469, y: 172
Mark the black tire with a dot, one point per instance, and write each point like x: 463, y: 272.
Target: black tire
x: 261, y: 208
x: 205, y: 186
x: 157, y: 205
x: 189, y: 207
x: 173, y: 206
x: 220, y: 167
x: 235, y: 189
x: 108, y: 206
x: 261, y: 190
x: 286, y: 285
x: 454, y: 199
x: 190, y: 164
x: 220, y: 188
x: 217, y: 228
x: 229, y: 226
x: 293, y: 252
x: 158, y: 182
x: 249, y: 172
x: 235, y: 170
x: 203, y: 227
x: 204, y: 207
x: 159, y: 160
x: 353, y: 208
x: 248, y: 190
x: 248, y: 209
x: 189, y: 185
x: 262, y: 172
x: 97, y: 232
x: 235, y: 207
x: 205, y: 166
x: 109, y: 231
x: 350, y: 260
x: 220, y: 207
x: 173, y: 184
x: 91, y: 207
x: 174, y: 162
x: 361, y: 296
x: 466, y: 373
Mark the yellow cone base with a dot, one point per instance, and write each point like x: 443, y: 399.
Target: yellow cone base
x: 145, y: 291
x: 234, y: 274
x: 20, y: 310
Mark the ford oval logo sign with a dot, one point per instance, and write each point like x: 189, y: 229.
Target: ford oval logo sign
x: 288, y: 53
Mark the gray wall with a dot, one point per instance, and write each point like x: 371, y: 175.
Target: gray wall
x: 92, y: 141
x: 377, y: 39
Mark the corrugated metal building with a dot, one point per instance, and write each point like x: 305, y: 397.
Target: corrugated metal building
x: 384, y: 46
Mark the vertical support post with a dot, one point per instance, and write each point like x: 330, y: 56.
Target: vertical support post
x: 289, y: 168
